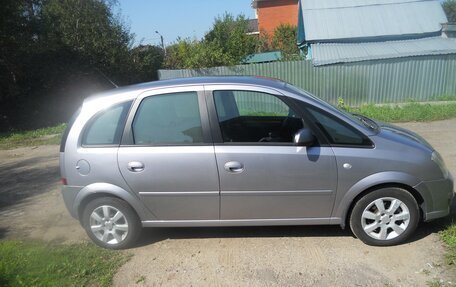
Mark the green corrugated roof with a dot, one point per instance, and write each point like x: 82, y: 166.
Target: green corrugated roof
x: 263, y: 57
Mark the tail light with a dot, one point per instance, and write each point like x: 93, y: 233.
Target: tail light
x: 64, y: 181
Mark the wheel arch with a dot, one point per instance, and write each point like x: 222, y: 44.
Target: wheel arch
x: 97, y: 190
x: 419, y: 199
x: 374, y: 182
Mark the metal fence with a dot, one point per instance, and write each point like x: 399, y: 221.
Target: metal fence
x: 399, y: 80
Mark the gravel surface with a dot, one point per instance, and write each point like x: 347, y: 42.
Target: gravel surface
x: 31, y: 207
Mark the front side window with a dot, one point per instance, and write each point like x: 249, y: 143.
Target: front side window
x: 168, y: 119
x: 252, y: 117
x: 106, y: 127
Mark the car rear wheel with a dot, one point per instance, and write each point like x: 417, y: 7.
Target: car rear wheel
x: 111, y: 223
x: 385, y: 217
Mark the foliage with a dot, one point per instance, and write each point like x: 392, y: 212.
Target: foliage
x: 225, y: 44
x: 439, y: 283
x: 146, y: 60
x: 284, y: 40
x: 41, y: 264
x: 341, y: 103
x: 87, y: 28
x: 53, y: 53
x: 449, y: 237
x: 450, y: 10
x: 447, y: 97
x: 264, y: 43
x: 43, y: 136
x: 409, y: 112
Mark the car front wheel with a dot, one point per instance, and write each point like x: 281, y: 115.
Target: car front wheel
x: 385, y: 216
x: 111, y: 223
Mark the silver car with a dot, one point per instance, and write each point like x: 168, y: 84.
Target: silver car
x: 243, y: 151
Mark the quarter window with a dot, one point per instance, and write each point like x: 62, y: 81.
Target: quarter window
x: 338, y: 132
x: 168, y: 119
x: 252, y: 117
x: 106, y: 127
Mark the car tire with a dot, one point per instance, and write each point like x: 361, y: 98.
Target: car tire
x: 111, y: 223
x: 385, y: 217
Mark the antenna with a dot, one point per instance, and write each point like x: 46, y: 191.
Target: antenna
x: 106, y: 77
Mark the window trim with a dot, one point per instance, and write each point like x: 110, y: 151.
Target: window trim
x: 127, y: 138
x: 120, y: 129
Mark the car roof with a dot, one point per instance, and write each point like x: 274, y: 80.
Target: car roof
x: 233, y: 80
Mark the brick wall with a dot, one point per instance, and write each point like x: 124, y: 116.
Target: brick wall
x: 272, y: 13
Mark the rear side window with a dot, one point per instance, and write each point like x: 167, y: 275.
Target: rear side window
x: 106, y: 127
x: 168, y: 119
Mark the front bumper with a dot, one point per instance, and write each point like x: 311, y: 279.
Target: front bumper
x: 438, y: 196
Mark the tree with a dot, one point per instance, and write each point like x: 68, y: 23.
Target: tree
x: 284, y: 40
x: 450, y: 10
x: 229, y: 36
x: 89, y: 29
x: 53, y: 53
x: 225, y: 44
x: 146, y: 60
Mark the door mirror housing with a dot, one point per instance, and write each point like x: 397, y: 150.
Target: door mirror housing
x: 304, y: 137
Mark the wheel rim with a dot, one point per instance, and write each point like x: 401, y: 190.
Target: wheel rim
x: 109, y: 224
x: 385, y: 218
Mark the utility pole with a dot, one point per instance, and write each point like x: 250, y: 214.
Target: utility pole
x: 162, y: 42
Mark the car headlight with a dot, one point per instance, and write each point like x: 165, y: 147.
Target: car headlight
x: 437, y: 158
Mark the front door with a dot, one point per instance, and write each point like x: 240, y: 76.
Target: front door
x: 262, y: 174
x: 168, y: 158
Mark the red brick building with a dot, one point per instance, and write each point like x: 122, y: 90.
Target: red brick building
x: 272, y: 13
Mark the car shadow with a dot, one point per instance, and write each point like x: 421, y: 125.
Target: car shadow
x: 154, y: 235
x: 23, y: 179
x: 3, y: 232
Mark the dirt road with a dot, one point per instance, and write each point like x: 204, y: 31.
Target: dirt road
x: 31, y: 207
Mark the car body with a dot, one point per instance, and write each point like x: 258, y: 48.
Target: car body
x: 240, y: 151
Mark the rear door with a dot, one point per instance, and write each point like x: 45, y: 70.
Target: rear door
x: 167, y: 155
x: 262, y: 174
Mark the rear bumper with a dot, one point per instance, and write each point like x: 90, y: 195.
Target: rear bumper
x: 69, y: 195
x: 438, y: 196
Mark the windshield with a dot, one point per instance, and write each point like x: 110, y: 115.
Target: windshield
x: 357, y: 118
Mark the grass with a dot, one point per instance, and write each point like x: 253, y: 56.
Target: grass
x: 43, y: 136
x: 407, y: 113
x: 446, y: 98
x: 436, y: 283
x: 449, y: 237
x: 47, y: 264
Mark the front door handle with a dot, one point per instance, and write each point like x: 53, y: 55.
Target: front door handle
x: 135, y: 166
x: 234, y: 167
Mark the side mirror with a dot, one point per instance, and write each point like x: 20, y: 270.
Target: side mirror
x: 304, y: 137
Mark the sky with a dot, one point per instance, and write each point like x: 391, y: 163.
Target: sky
x: 176, y: 18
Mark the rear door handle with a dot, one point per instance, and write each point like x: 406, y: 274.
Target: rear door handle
x: 234, y: 167
x: 135, y: 166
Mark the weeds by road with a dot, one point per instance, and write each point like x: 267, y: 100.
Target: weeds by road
x: 47, y: 264
x: 44, y: 136
x: 412, y: 112
x: 449, y: 237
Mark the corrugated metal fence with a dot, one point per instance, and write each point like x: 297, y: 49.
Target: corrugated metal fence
x: 384, y: 81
